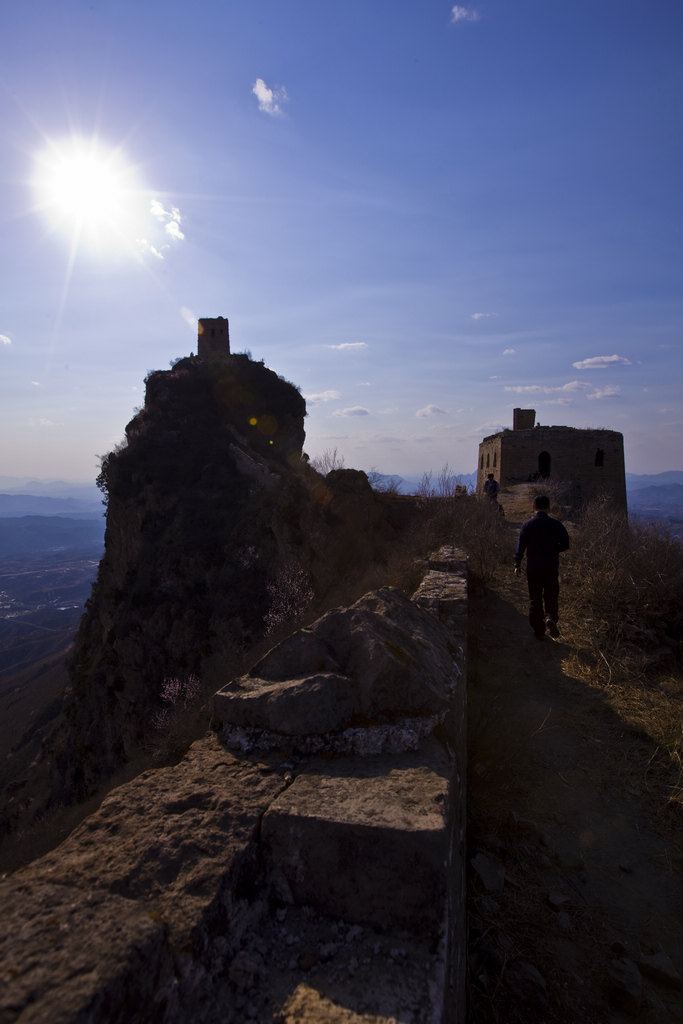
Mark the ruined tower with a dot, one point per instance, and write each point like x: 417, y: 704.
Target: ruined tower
x: 213, y: 337
x: 590, y: 461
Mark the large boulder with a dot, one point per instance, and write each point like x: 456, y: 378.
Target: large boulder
x: 380, y: 661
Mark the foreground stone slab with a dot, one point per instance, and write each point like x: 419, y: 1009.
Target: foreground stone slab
x: 367, y: 839
x: 173, y: 839
x: 79, y: 956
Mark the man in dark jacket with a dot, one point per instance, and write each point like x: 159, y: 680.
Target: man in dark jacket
x: 542, y: 538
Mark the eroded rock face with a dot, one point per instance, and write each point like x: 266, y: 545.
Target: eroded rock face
x: 381, y: 661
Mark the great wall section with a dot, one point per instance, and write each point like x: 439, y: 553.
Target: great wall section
x: 304, y: 862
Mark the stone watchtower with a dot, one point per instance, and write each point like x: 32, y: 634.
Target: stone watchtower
x: 213, y: 337
x: 589, y: 462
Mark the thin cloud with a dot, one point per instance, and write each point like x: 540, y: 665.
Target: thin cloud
x: 189, y: 317
x: 610, y: 391
x: 353, y: 410
x: 509, y: 351
x: 321, y: 396
x: 430, y: 410
x: 171, y: 219
x: 601, y: 362
x: 269, y: 100
x: 4, y: 340
x: 35, y: 383
x: 349, y: 345
x: 145, y: 246
x: 481, y: 316
x: 537, y: 389
x: 459, y: 13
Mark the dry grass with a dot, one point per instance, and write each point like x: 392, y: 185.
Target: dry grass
x: 622, y: 603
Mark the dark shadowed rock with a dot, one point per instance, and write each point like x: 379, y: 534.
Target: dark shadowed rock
x: 625, y: 986
x: 173, y: 839
x: 70, y: 955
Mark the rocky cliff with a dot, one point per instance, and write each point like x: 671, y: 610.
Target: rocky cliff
x: 217, y: 533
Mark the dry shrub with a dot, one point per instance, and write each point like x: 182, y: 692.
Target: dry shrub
x: 627, y: 585
x: 623, y: 595
x: 476, y: 526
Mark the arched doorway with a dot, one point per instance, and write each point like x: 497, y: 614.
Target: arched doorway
x: 544, y: 465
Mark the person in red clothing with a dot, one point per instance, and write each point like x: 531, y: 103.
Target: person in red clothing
x: 542, y: 538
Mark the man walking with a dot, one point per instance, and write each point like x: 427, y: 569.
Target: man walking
x: 542, y: 538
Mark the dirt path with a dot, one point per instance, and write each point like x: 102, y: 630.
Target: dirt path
x: 576, y: 856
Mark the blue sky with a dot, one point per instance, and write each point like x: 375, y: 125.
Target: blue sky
x: 422, y: 214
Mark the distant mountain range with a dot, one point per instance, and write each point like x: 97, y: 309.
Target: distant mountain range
x: 13, y: 505
x: 637, y: 481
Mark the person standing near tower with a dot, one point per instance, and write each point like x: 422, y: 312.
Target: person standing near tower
x: 542, y: 538
x: 491, y: 488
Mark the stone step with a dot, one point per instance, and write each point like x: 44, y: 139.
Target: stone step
x: 366, y: 839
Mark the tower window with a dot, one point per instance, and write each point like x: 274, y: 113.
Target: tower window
x: 495, y: 459
x: 481, y: 464
x: 488, y: 459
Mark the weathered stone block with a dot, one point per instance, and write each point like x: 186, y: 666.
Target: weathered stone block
x: 172, y: 839
x: 294, y: 707
x: 70, y: 955
x: 367, y: 840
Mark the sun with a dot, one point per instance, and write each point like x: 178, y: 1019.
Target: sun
x: 90, y: 191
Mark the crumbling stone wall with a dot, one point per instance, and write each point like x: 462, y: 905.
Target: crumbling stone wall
x: 307, y: 873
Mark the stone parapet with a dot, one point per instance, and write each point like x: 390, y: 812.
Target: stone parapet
x: 270, y: 882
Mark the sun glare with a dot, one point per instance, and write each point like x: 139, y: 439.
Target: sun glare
x: 90, y: 192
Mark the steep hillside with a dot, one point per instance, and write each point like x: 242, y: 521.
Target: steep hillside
x: 217, y: 532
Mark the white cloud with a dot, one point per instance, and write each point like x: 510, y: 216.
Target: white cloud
x: 321, y: 396
x: 171, y: 219
x: 509, y: 352
x: 430, y: 410
x: 157, y: 210
x: 4, y: 340
x: 35, y: 383
x: 481, y: 316
x: 269, y: 100
x: 145, y: 246
x: 459, y: 13
x: 173, y: 229
x: 353, y: 410
x: 347, y: 345
x: 610, y: 391
x: 536, y: 389
x: 601, y: 362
